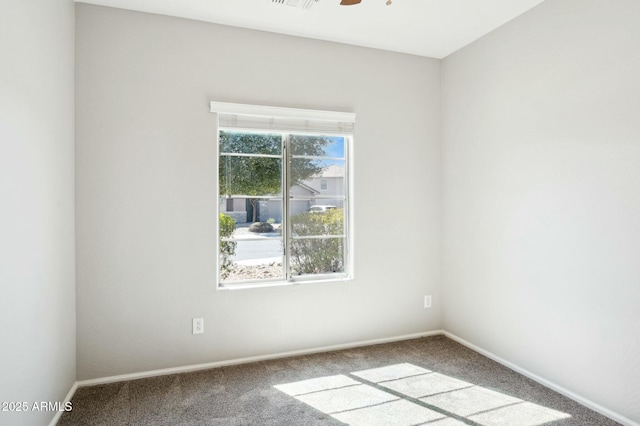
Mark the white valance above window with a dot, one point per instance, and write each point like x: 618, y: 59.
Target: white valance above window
x: 258, y: 117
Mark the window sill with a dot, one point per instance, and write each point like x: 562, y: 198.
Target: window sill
x: 255, y: 285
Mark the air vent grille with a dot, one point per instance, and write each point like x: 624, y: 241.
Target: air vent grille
x: 303, y: 4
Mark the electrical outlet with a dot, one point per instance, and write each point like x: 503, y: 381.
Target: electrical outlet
x: 198, y: 325
x: 427, y: 301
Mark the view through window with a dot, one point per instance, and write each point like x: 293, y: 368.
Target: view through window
x: 283, y: 206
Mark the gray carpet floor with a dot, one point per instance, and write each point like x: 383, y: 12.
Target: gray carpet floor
x: 430, y: 381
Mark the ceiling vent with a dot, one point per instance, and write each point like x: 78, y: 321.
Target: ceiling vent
x: 302, y: 4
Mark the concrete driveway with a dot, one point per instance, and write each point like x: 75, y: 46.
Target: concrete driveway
x: 255, y: 248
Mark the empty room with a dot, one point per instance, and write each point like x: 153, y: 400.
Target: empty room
x: 304, y: 212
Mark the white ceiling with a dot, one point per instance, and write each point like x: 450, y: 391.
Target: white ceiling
x: 433, y: 28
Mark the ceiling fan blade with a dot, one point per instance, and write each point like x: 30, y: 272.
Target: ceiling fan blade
x: 349, y: 2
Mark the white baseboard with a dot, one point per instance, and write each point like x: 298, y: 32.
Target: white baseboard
x: 72, y: 391
x: 587, y: 403
x: 206, y: 366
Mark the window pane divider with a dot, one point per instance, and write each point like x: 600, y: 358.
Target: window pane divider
x: 286, y: 205
x: 317, y: 197
x: 316, y: 237
x: 258, y: 197
x: 236, y: 239
x: 312, y: 157
x: 242, y: 154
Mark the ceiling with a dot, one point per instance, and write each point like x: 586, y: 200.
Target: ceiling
x: 433, y: 28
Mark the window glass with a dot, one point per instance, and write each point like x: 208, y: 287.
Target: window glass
x: 283, y: 206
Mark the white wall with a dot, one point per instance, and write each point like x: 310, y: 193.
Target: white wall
x: 541, y: 206
x: 37, y: 285
x: 146, y: 195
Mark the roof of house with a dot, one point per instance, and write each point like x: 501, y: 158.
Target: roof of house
x: 333, y: 171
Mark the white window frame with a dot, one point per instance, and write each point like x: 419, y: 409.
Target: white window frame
x: 289, y: 121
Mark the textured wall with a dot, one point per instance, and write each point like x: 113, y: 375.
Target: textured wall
x: 541, y: 170
x: 146, y: 194
x: 37, y: 285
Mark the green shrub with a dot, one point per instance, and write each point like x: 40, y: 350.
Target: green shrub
x: 317, y: 256
x: 271, y: 221
x: 227, y: 248
x: 260, y: 227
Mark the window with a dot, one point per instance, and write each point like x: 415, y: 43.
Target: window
x: 279, y: 220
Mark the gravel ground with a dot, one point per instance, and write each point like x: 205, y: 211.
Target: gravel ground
x: 255, y: 272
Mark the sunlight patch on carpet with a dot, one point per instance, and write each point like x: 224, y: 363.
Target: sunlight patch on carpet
x: 405, y: 395
x: 315, y: 385
x: 400, y: 412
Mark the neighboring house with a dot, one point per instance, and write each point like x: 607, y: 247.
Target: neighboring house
x: 306, y: 194
x: 237, y: 208
x: 303, y: 195
x: 329, y: 184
